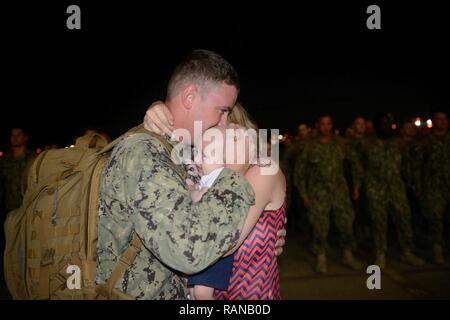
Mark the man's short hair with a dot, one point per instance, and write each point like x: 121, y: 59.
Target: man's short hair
x: 24, y: 131
x: 201, y: 66
x: 377, y: 120
x: 405, y: 120
x: 359, y: 117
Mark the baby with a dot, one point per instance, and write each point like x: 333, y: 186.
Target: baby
x: 201, y: 178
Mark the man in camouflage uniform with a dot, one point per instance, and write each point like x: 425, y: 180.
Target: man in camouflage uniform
x: 321, y: 182
x: 13, y: 176
x: 407, y: 140
x: 143, y: 191
x: 13, y: 170
x: 290, y: 156
x: 408, y: 133
x: 432, y: 179
x: 384, y: 188
x: 369, y: 129
x: 355, y: 142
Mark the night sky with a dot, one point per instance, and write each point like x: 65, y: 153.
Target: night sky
x: 293, y: 61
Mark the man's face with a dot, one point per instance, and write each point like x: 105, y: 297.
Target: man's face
x: 212, y: 106
x: 409, y: 129
x: 370, y: 130
x: 303, y: 131
x: 359, y: 126
x: 385, y: 126
x: 440, y: 121
x: 18, y: 138
x: 324, y: 126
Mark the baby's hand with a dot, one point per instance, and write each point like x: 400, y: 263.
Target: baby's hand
x: 196, y: 195
x: 190, y: 185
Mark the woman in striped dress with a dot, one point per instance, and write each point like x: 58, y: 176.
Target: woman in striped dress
x: 249, y: 271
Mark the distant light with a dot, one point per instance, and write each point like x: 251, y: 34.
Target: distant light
x: 280, y: 137
x: 1, y: 154
x: 394, y: 126
x: 429, y: 123
x: 418, y: 122
x: 72, y: 146
x: 38, y: 151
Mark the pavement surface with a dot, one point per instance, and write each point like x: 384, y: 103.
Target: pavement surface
x: 398, y: 280
x: 299, y: 281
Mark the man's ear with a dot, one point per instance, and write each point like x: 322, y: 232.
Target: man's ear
x: 188, y: 96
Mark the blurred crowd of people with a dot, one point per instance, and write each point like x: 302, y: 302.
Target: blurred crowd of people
x: 375, y: 173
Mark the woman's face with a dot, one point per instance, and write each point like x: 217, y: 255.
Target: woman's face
x: 226, y: 145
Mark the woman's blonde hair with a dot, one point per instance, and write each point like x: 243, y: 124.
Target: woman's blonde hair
x: 241, y: 117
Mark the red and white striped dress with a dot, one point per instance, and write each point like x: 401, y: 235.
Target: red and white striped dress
x: 255, y: 274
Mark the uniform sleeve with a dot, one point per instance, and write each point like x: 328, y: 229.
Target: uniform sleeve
x: 356, y: 165
x: 2, y: 187
x: 286, y: 161
x: 417, y: 158
x: 184, y: 235
x: 447, y: 161
x: 406, y: 169
x: 300, y: 172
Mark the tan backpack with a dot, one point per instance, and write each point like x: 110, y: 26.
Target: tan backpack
x: 56, y: 226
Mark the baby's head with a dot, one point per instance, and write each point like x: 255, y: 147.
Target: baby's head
x: 227, y: 146
x: 213, y: 149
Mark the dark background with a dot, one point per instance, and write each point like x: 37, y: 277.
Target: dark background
x: 294, y: 61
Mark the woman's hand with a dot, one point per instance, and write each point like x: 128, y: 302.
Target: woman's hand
x: 158, y: 119
x: 280, y: 242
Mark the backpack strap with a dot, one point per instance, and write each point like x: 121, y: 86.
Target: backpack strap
x: 140, y: 129
x: 129, y: 255
x: 125, y: 261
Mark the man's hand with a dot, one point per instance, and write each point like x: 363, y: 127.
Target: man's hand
x: 158, y: 119
x: 355, y: 194
x: 306, y: 202
x: 280, y: 242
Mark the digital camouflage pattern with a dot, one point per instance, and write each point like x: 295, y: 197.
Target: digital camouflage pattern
x: 362, y: 224
x: 355, y: 173
x: 432, y: 180
x: 13, y: 177
x: 319, y: 175
x: 384, y: 188
x: 288, y: 161
x: 143, y: 191
x: 407, y: 150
